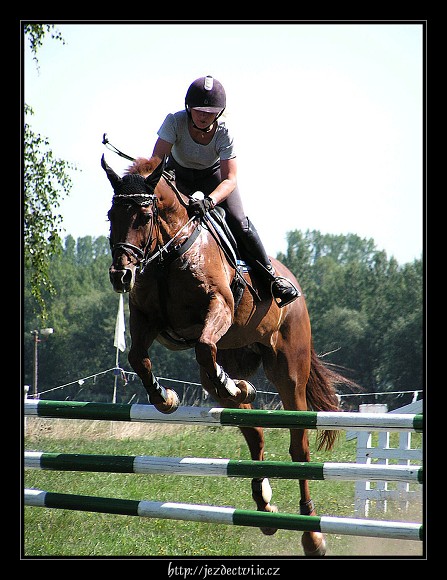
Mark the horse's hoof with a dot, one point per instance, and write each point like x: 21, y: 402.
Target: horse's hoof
x: 170, y: 405
x: 269, y: 531
x: 314, y: 544
x: 248, y: 390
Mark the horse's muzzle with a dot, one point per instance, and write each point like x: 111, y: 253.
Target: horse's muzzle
x: 122, y: 280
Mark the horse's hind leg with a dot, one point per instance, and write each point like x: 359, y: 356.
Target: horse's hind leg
x: 261, y: 491
x: 254, y: 436
x: 313, y: 543
x: 289, y: 375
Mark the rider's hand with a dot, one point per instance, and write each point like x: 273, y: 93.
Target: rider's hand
x: 199, y: 207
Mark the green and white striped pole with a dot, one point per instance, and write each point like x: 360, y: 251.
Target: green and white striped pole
x: 225, y: 515
x: 227, y: 417
x: 195, y: 466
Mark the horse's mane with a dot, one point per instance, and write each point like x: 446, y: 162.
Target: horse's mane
x: 143, y: 166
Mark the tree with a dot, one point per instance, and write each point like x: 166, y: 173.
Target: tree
x: 35, y: 34
x: 366, y: 314
x: 83, y: 311
x: 342, y: 337
x: 365, y: 309
x: 46, y: 181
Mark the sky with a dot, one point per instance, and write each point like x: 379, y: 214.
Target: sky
x: 327, y: 118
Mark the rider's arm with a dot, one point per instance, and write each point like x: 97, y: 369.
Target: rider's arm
x: 161, y: 148
x: 228, y: 171
x: 145, y: 166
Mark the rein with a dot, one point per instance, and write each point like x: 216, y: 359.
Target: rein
x: 168, y: 177
x: 106, y: 142
x: 179, y: 250
x: 141, y: 255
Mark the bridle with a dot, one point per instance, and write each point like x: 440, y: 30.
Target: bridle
x: 140, y: 200
x: 165, y: 254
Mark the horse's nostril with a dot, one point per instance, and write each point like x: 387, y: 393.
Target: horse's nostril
x: 123, y: 279
x: 127, y: 277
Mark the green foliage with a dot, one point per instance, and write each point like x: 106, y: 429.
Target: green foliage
x: 399, y: 368
x: 338, y: 323
x: 366, y: 314
x: 46, y: 181
x: 366, y: 311
x: 36, y: 33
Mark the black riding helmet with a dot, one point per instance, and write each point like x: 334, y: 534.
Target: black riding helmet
x: 206, y: 94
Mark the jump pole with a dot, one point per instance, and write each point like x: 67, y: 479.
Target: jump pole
x: 226, y: 417
x: 194, y: 466
x: 225, y: 515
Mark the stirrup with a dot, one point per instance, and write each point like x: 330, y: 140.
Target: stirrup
x: 280, y: 297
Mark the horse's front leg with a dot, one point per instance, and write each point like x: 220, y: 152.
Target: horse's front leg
x: 217, y: 322
x: 164, y: 400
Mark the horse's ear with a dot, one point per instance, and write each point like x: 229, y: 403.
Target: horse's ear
x: 114, y: 179
x: 154, y: 177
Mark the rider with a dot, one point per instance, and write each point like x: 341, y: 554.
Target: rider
x: 200, y: 150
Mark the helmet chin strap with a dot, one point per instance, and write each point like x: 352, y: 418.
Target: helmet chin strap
x: 207, y: 129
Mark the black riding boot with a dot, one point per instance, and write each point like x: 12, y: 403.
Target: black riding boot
x: 282, y: 289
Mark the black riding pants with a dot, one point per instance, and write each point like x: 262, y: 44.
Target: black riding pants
x: 206, y: 181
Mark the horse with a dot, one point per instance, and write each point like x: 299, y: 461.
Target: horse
x: 180, y: 284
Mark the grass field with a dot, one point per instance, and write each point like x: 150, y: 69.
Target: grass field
x: 52, y: 533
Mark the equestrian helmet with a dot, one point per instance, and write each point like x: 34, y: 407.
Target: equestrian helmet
x: 206, y: 94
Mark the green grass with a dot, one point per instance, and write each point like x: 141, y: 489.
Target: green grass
x: 51, y: 532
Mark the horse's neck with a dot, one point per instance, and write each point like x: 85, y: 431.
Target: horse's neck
x: 172, y: 210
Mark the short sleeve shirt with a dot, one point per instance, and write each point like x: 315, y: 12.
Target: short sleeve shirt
x: 189, y: 153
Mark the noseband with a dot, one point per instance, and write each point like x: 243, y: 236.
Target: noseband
x: 130, y: 249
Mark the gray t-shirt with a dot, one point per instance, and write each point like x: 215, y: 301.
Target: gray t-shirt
x: 189, y: 153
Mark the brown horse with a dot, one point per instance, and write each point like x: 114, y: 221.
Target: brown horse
x: 180, y: 293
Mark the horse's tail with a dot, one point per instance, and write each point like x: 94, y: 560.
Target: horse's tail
x: 321, y: 395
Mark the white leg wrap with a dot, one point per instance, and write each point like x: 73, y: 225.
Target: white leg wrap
x: 230, y: 385
x: 266, y: 490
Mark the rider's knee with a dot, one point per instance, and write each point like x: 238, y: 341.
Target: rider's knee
x: 241, y: 227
